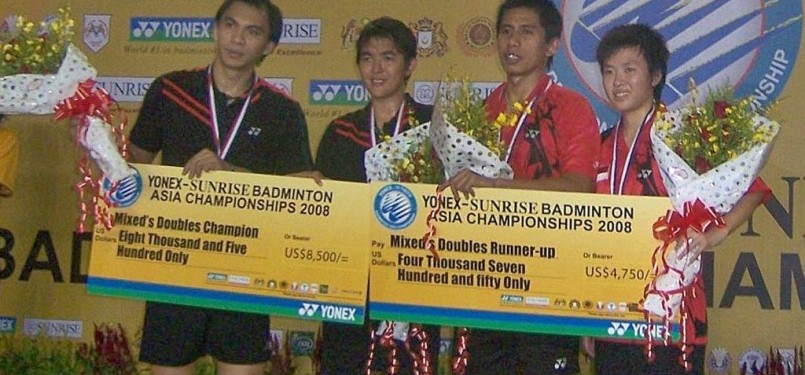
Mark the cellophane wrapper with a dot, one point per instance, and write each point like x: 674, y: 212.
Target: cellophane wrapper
x: 380, y: 160
x: 99, y: 141
x: 458, y: 151
x: 39, y: 93
x: 720, y: 188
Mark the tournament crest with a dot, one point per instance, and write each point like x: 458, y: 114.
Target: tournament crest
x: 431, y: 38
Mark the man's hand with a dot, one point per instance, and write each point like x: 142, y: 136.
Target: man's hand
x: 465, y: 181
x: 205, y: 161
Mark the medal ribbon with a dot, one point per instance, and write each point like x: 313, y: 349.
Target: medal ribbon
x: 373, y: 124
x: 223, y: 151
x: 521, y: 121
x: 613, y: 168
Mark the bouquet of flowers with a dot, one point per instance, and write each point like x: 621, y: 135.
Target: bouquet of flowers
x: 709, y: 155
x: 41, y: 72
x: 405, y: 157
x: 463, y: 137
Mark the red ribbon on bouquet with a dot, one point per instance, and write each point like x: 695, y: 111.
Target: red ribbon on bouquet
x: 695, y: 215
x: 674, y: 226
x: 87, y: 101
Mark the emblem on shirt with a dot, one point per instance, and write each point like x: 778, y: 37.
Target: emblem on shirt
x: 719, y: 361
x: 254, y: 131
x: 431, y: 38
x: 560, y: 363
x: 644, y: 174
x: 96, y: 31
x: 477, y: 36
x: 395, y: 206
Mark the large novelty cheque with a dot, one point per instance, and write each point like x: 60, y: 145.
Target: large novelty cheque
x: 237, y: 241
x: 550, y: 262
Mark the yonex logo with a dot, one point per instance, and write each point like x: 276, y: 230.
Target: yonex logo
x: 338, y: 93
x: 560, y: 363
x: 618, y: 329
x: 161, y: 29
x: 329, y: 312
x: 308, y: 309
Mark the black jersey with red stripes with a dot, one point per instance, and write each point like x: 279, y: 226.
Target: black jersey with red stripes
x: 176, y: 120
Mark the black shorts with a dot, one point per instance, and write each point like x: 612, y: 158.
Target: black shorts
x: 504, y: 353
x: 176, y: 335
x: 625, y: 359
x: 345, y: 350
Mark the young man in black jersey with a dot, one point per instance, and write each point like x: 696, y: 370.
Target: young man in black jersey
x: 386, y: 58
x: 220, y: 117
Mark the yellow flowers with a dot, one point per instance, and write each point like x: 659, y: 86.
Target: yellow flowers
x: 36, y: 50
x: 465, y: 110
x: 717, y: 131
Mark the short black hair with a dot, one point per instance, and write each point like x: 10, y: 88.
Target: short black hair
x: 549, y: 17
x: 272, y: 12
x: 391, y: 29
x: 646, y: 39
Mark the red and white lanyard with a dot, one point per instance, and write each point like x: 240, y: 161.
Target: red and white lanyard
x: 223, y: 151
x: 613, y: 167
x: 521, y: 121
x: 373, y: 124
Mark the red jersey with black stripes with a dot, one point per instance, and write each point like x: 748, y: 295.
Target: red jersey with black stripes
x: 560, y: 135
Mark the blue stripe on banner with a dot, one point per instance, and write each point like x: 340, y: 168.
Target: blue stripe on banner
x: 454, y: 313
x: 103, y: 282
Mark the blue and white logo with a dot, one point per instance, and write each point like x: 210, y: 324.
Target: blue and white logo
x: 338, y: 92
x: 170, y: 29
x: 750, y: 44
x: 395, y: 206
x: 127, y: 191
x: 8, y: 324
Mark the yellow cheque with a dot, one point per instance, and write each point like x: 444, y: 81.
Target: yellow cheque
x: 562, y: 263
x: 237, y: 241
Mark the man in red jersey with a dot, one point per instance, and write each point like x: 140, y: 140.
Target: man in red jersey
x: 552, y: 148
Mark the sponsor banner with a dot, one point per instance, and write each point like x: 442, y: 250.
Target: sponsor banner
x: 125, y: 89
x: 338, y: 92
x: 560, y: 263
x: 8, y: 324
x: 53, y: 328
x: 301, y: 31
x: 237, y: 241
x: 425, y: 91
x: 170, y: 29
